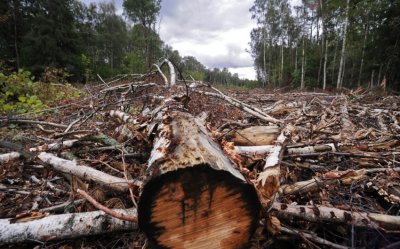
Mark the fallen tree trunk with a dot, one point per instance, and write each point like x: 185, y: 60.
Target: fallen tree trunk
x: 87, y: 173
x: 321, y: 213
x: 262, y: 150
x: 196, y: 198
x: 64, y: 226
x: 4, y: 158
x: 268, y: 180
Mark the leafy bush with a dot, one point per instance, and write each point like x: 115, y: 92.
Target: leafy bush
x: 20, y: 93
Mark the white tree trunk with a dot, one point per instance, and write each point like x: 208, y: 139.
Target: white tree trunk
x: 341, y: 65
x: 264, y: 59
x: 87, y: 173
x: 325, y: 62
x: 54, y: 146
x: 320, y: 213
x: 362, y: 55
x: 64, y: 226
x: 302, y: 85
x: 325, y: 46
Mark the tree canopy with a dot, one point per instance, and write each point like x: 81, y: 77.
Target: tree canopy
x: 85, y: 40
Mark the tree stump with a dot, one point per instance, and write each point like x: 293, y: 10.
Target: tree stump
x: 195, y: 198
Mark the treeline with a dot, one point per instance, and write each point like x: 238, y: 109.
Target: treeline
x: 85, y: 40
x: 327, y: 43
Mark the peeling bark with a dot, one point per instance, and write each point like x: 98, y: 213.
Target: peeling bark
x: 328, y: 214
x: 87, y: 173
x: 63, y: 226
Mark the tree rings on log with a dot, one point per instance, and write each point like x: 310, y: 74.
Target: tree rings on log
x: 198, y: 207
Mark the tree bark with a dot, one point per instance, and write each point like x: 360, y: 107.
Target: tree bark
x: 16, y: 33
x: 362, y: 55
x: 302, y: 85
x: 195, y: 197
x: 64, y: 226
x: 343, y: 54
x: 325, y: 63
x: 84, y: 172
x: 264, y: 59
x: 320, y: 213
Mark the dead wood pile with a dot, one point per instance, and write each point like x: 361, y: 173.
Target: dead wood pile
x: 325, y: 166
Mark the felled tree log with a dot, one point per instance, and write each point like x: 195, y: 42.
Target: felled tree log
x: 255, y: 135
x: 268, y: 180
x: 87, y: 173
x: 63, y: 226
x: 321, y: 213
x: 262, y: 150
x: 196, y: 198
x: 54, y: 146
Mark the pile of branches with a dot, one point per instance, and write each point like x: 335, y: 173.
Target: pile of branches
x: 325, y: 166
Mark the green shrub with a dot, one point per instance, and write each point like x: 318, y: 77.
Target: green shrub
x: 19, y: 93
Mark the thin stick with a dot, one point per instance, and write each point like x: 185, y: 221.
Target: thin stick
x: 106, y: 210
x: 26, y: 121
x: 126, y: 178
x: 313, y: 238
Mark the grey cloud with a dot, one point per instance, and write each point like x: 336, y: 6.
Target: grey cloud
x: 208, y: 21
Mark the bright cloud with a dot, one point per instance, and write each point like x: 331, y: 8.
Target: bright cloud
x: 217, y: 33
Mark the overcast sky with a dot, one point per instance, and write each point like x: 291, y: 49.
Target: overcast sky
x: 216, y: 32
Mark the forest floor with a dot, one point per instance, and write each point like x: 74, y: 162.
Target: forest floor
x: 347, y: 158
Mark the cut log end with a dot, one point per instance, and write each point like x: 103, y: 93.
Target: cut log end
x: 198, y: 207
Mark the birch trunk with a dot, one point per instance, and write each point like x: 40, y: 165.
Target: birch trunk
x: 64, y: 226
x: 362, y: 55
x: 343, y: 54
x: 302, y: 66
x: 325, y: 63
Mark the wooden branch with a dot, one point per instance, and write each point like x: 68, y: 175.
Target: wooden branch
x: 26, y: 121
x: 87, y: 173
x: 266, y: 149
x: 329, y: 178
x: 60, y: 208
x: 54, y: 146
x: 126, y: 118
x: 113, y: 213
x: 161, y: 73
x: 347, y: 126
x: 328, y: 214
x: 4, y: 158
x: 172, y: 72
x: 64, y: 226
x: 268, y: 181
x: 243, y: 107
x: 234, y: 100
x: 313, y: 237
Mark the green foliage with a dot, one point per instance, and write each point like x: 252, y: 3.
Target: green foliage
x: 296, y: 77
x: 197, y: 75
x: 134, y: 63
x: 85, y: 64
x: 17, y: 93
x: 142, y: 11
x: 235, y: 87
x: 20, y: 93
